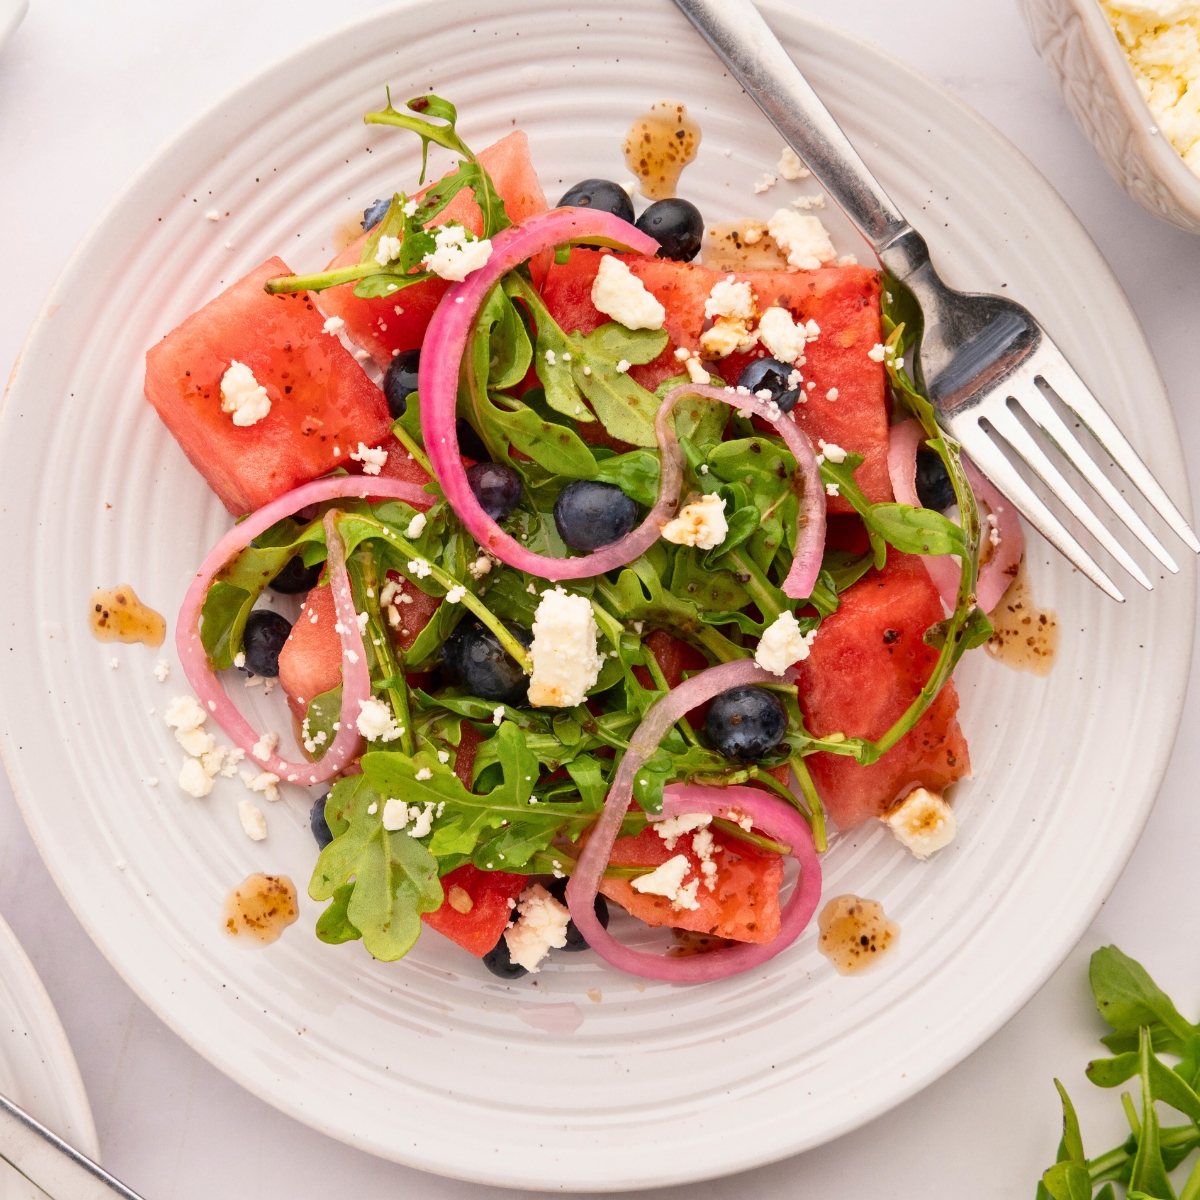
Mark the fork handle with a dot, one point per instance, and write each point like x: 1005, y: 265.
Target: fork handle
x: 737, y: 32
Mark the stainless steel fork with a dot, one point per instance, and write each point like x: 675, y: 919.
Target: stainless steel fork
x: 982, y: 357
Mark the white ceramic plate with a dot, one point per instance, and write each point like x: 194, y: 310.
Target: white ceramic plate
x: 433, y: 1062
x: 12, y: 13
x: 37, y: 1068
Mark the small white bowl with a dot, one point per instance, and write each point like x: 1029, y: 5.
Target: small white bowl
x: 1079, y: 46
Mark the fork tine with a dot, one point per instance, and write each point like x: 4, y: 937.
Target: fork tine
x: 1074, y: 393
x: 1055, y: 428
x: 989, y: 459
x: 1006, y: 424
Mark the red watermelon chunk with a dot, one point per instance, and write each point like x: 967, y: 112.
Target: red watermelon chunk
x: 486, y: 896
x: 866, y: 666
x: 743, y: 906
x: 322, y: 405
x: 389, y: 324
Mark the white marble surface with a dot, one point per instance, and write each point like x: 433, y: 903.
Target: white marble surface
x: 88, y: 91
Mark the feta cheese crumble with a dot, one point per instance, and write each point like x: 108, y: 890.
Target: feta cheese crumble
x: 833, y: 452
x: 162, y: 669
x: 540, y: 928
x: 923, y: 822
x: 243, y: 396
x: 424, y: 773
x: 262, y: 782
x: 456, y: 594
x: 395, y: 815
x: 372, y: 460
x: 876, y: 352
x: 832, y: 394
x: 781, y: 335
x: 620, y: 294
x: 254, y: 824
x: 667, y: 880
x: 766, y: 183
x: 565, y: 659
x: 334, y: 325
x: 673, y: 828
x: 265, y: 746
x: 193, y: 778
x: 388, y: 250
x: 790, y: 165
x: 782, y: 644
x: 730, y: 299
x: 420, y: 568
x: 376, y: 722
x: 458, y: 253
x: 416, y: 526
x: 701, y: 523
x: 497, y: 714
x: 803, y: 239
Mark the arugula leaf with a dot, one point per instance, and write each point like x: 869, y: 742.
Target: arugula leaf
x: 1149, y: 1174
x: 323, y: 713
x: 334, y: 925
x: 1127, y: 998
x: 395, y: 876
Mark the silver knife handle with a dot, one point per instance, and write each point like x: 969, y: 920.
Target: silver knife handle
x: 742, y: 40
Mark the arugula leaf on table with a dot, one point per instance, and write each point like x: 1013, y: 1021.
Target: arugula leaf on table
x: 1127, y: 998
x: 323, y: 713
x: 395, y: 876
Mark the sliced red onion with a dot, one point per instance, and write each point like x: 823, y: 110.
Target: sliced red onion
x: 772, y: 816
x: 356, y: 680
x: 997, y: 573
x: 438, y: 380
x: 810, y: 546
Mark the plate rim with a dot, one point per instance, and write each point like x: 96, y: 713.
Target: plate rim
x: 784, y: 13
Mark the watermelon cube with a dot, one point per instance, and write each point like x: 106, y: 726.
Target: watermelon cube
x: 322, y: 404
x: 867, y: 664
x: 485, y: 896
x: 387, y: 325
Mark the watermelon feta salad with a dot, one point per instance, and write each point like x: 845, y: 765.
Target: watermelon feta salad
x: 631, y: 580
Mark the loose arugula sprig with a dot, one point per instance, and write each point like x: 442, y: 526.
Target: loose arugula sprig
x: 1145, y: 1024
x: 406, y: 218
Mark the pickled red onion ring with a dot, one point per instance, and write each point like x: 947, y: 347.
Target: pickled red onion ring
x: 772, y: 816
x: 438, y: 385
x: 356, y: 680
x: 904, y: 440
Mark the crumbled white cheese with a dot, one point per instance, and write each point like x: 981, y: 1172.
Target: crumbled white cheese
x: 376, y: 722
x: 253, y: 822
x: 727, y: 335
x: 697, y: 373
x: 673, y: 828
x: 416, y: 527
x: 422, y: 819
x: 212, y: 215
x: 195, y: 741
x: 1161, y: 40
x: 781, y: 335
x: 443, y: 757
x: 803, y: 239
x: 265, y: 746
x: 243, y: 396
x: 497, y: 714
x: 832, y: 451
x: 458, y: 253
x: 922, y: 821
x: 831, y: 489
x: 262, y: 782
x: 162, y: 669
x: 701, y: 523
x: 456, y: 594
x: 730, y: 299
x: 232, y: 758
x: 193, y: 779
x: 665, y: 880
x: 395, y: 815
x: 185, y: 712
x: 765, y: 184
x: 620, y: 294
x: 334, y: 325
x: 420, y: 568
x: 371, y: 459
x: 480, y: 567
x: 623, y: 366
x: 424, y: 773
x: 832, y: 394
x: 790, y: 166
x: 703, y: 847
x: 540, y: 928
x: 565, y: 659
x: 876, y: 352
x: 782, y: 644
x: 388, y: 250
x: 807, y: 203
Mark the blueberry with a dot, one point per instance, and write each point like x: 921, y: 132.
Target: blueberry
x: 295, y: 577
x: 496, y: 487
x: 469, y: 442
x: 375, y: 213
x: 934, y: 489
x: 590, y: 514
x: 318, y: 824
x: 400, y: 381
x: 575, y: 940
x: 473, y: 656
x: 602, y: 194
x: 266, y: 631
x: 676, y: 225
x: 745, y: 723
x: 771, y: 374
x: 497, y: 961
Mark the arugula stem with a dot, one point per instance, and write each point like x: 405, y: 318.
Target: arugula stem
x: 1191, y: 1189
x: 320, y: 281
x: 816, y: 810
x: 1131, y: 1114
x: 409, y: 443
x: 756, y: 583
